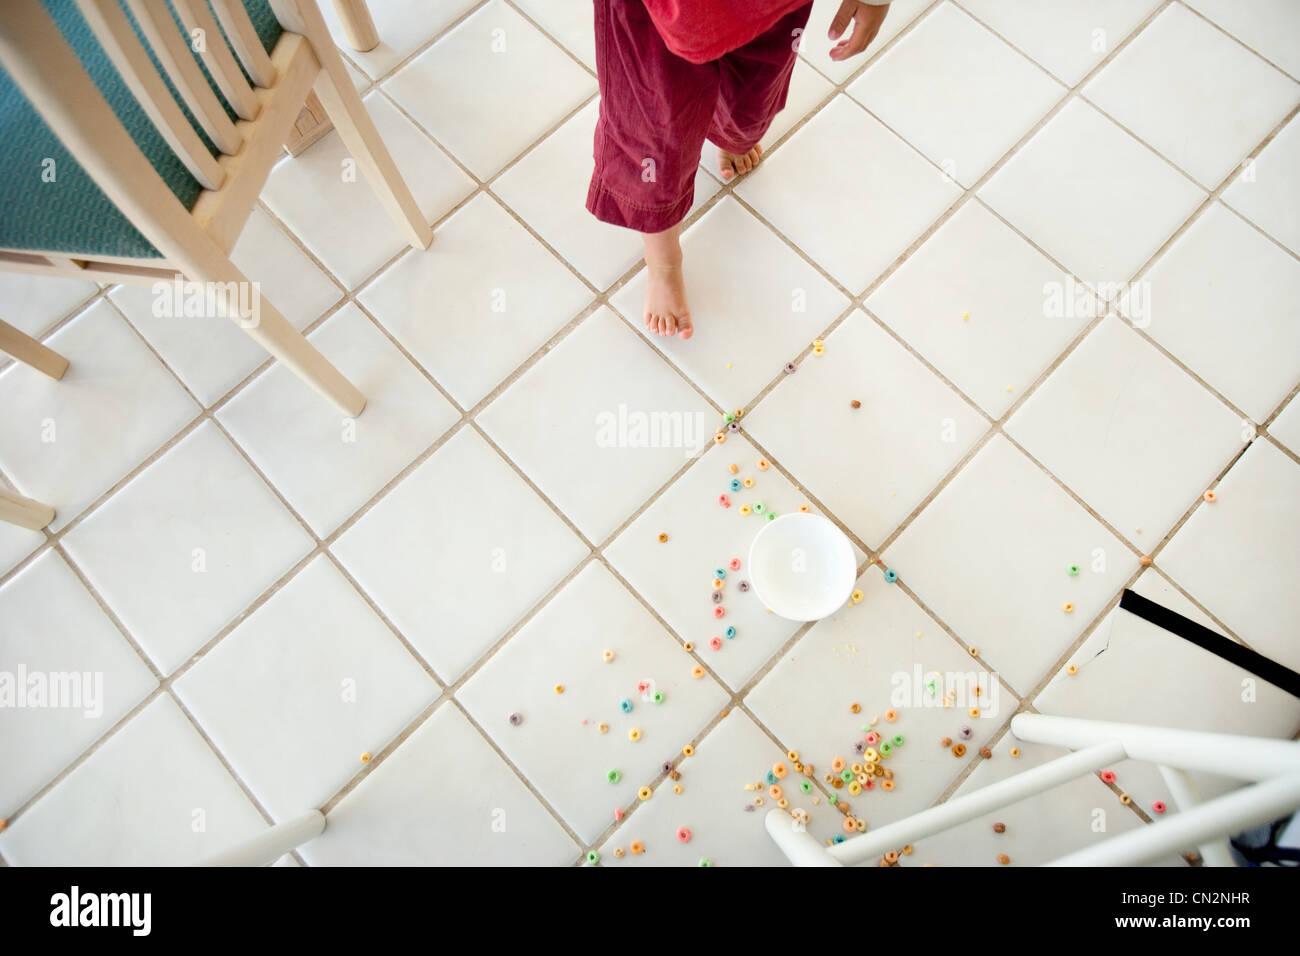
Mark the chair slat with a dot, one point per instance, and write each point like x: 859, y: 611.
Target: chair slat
x: 218, y: 58
x: 247, y: 44
x: 173, y: 52
x: 129, y: 56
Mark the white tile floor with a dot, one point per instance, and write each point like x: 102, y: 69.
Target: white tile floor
x: 268, y: 592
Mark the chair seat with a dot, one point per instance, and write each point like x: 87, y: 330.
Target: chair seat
x: 47, y: 201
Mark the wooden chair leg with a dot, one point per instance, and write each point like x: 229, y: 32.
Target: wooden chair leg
x: 357, y: 24
x: 15, y: 509
x: 31, y: 352
x: 354, y: 124
x: 270, y: 329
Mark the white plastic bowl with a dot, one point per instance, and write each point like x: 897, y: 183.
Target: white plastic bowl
x: 802, y: 567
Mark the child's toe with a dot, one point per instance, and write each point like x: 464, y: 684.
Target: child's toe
x: 684, y: 328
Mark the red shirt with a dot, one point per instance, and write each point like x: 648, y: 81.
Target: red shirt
x: 703, y: 30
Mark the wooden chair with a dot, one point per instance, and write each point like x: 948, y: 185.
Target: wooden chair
x: 179, y: 204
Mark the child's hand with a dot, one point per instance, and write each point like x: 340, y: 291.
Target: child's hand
x: 866, y: 20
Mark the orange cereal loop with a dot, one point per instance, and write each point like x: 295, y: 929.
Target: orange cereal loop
x: 837, y: 764
x: 891, y: 715
x: 775, y: 792
x: 637, y: 848
x: 855, y: 708
x: 959, y: 750
x: 891, y: 856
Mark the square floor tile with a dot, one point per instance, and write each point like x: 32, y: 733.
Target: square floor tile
x: 548, y: 188
x: 1179, y: 73
x: 674, y: 575
x: 1039, y: 829
x: 54, y: 639
x: 1225, y: 301
x: 895, y: 204
x: 1091, y: 196
x: 490, y: 87
x: 325, y: 199
x: 211, y: 354
x: 755, y: 305
x: 558, y: 745
x: 1267, y: 191
x: 871, y: 466
x: 398, y: 815
x: 1266, y: 26
x: 1286, y: 427
x: 458, y: 552
x: 984, y: 307
x: 297, y: 692
x: 327, y: 465
x: 808, y: 89
x: 472, y: 309
x: 1113, y: 682
x: 881, y: 654
x: 712, y: 805
x: 403, y: 27
x: 1068, y: 37
x: 153, y: 794
x: 34, y: 303
x: 599, y: 424
x: 568, y: 21
x: 1237, y: 556
x: 956, y: 92
x: 999, y: 512
x: 1116, y: 408
x: 67, y: 442
x: 815, y: 44
x: 185, y: 525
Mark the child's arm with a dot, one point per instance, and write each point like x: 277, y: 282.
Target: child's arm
x: 866, y: 17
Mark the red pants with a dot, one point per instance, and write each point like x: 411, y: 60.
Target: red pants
x: 656, y: 110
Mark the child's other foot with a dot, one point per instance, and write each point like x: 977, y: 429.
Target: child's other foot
x: 666, y: 312
x: 731, y: 164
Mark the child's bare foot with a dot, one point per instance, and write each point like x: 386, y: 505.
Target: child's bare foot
x: 666, y: 311
x: 731, y: 164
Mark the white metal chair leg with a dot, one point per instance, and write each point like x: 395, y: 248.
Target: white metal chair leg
x: 1236, y: 811
x: 271, y: 844
x: 799, y: 846
x: 1185, y: 797
x: 1000, y: 794
x: 1274, y: 766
